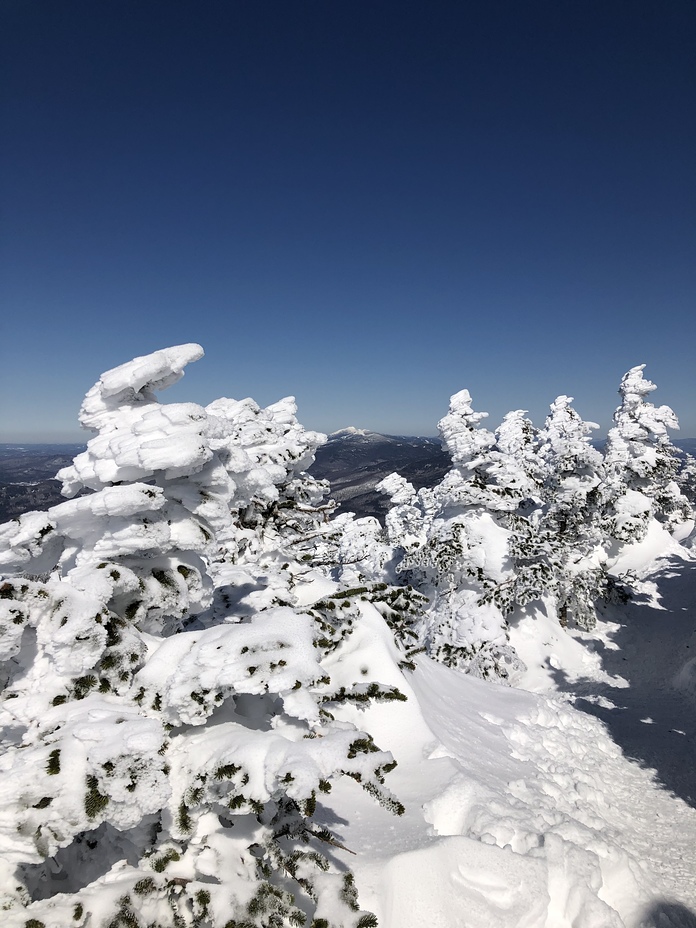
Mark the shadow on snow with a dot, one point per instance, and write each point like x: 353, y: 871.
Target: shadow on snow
x: 653, y: 719
x: 666, y: 914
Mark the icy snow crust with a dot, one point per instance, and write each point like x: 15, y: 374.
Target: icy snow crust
x: 172, y: 643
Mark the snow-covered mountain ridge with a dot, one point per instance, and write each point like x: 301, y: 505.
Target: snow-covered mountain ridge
x: 354, y: 461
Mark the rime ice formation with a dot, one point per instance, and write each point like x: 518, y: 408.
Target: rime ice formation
x: 166, y: 712
x: 524, y: 515
x: 640, y: 459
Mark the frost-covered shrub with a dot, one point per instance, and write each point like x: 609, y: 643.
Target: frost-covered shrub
x: 167, y: 720
x: 559, y: 542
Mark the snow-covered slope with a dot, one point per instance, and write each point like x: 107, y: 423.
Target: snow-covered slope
x: 521, y: 811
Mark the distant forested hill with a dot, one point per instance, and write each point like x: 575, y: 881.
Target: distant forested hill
x: 352, y: 460
x: 26, y: 476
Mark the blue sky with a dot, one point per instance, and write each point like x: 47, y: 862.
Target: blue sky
x: 369, y: 205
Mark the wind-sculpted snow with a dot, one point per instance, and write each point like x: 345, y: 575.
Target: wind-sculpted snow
x: 138, y: 447
x: 520, y: 810
x: 161, y: 685
x: 270, y: 654
x: 134, y: 382
x: 134, y: 429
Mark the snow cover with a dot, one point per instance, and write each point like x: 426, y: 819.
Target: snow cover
x: 173, y: 641
x: 521, y: 810
x: 352, y: 430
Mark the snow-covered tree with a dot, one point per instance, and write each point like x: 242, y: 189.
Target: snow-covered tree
x: 568, y: 533
x: 686, y: 478
x: 450, y: 544
x: 523, y: 516
x: 642, y: 464
x: 167, y: 717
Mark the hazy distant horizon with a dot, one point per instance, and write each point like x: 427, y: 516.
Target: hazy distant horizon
x: 81, y: 438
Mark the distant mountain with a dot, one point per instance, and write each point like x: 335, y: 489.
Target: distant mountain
x: 352, y: 432
x: 27, y: 476
x: 355, y: 460
x: 688, y: 445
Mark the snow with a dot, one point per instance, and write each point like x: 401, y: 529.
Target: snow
x: 642, y: 555
x: 352, y: 431
x: 201, y: 671
x: 521, y: 810
x: 268, y: 655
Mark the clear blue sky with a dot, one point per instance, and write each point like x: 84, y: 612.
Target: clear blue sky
x: 366, y: 204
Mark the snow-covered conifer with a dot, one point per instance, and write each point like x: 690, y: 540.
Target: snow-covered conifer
x: 168, y: 721
x: 686, y: 478
x: 642, y: 464
x: 450, y: 543
x: 567, y: 532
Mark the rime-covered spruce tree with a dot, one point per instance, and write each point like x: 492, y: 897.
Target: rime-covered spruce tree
x: 523, y: 516
x: 168, y: 721
x: 451, y: 543
x: 555, y: 542
x: 642, y: 466
x: 562, y: 539
x: 686, y: 478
